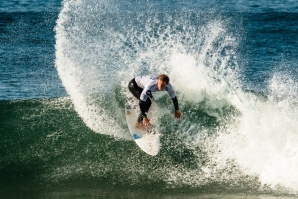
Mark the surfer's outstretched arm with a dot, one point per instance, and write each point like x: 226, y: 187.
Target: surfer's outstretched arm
x: 176, y: 105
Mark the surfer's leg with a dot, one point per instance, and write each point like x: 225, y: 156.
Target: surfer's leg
x: 136, y: 92
x: 135, y: 89
x: 140, y: 117
x: 147, y: 106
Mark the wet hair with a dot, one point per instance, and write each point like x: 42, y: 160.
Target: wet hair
x: 164, y: 78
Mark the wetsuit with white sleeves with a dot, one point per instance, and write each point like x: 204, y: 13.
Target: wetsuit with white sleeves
x: 142, y: 88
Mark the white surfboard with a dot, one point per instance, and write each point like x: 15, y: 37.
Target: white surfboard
x: 147, y: 140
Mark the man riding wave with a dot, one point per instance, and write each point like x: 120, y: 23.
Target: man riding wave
x: 142, y: 88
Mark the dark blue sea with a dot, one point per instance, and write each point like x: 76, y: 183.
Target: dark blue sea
x: 65, y: 66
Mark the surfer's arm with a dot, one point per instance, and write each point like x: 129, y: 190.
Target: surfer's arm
x: 176, y: 105
x: 172, y: 94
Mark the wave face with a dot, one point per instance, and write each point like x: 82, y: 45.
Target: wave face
x: 229, y: 140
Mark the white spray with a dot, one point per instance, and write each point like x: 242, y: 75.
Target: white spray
x: 98, y: 52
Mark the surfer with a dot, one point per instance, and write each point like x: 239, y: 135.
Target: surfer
x: 142, y: 87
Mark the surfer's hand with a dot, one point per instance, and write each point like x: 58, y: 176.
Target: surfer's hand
x: 178, y: 114
x: 146, y: 122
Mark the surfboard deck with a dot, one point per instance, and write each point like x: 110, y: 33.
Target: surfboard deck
x: 148, y: 140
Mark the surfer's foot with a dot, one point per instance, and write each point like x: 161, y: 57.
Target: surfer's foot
x: 141, y: 126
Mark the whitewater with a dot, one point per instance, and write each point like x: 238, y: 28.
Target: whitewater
x: 235, y: 135
x: 65, y: 68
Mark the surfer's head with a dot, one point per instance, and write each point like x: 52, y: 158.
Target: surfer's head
x: 162, y: 81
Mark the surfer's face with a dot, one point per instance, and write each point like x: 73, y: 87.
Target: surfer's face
x: 161, y: 85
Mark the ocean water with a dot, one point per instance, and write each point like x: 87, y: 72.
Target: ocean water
x: 63, y: 83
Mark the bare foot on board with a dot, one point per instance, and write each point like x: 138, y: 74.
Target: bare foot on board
x: 140, y: 125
